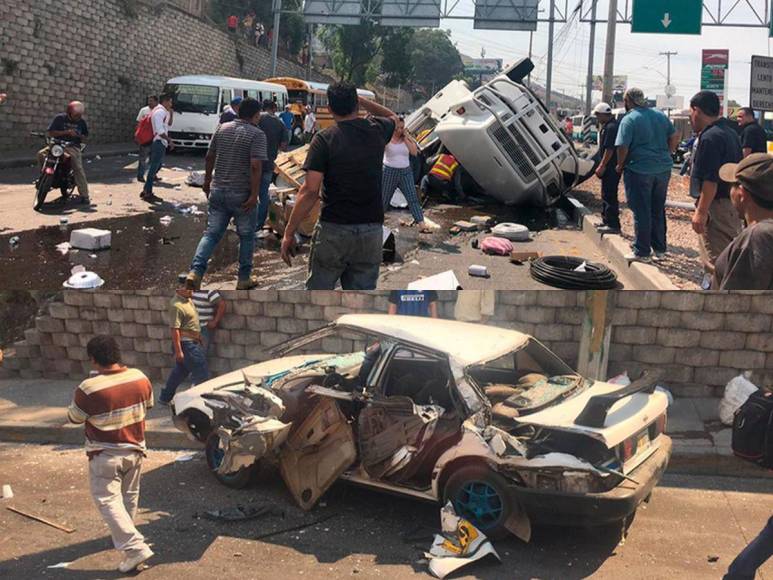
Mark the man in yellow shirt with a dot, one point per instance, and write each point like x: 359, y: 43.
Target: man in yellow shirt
x: 189, y: 354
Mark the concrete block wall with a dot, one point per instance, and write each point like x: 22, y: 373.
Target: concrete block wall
x: 701, y: 341
x: 109, y: 60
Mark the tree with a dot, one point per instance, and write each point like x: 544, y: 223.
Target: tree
x: 436, y: 61
x: 352, y: 50
x: 396, y: 58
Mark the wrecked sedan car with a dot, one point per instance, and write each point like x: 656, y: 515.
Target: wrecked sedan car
x: 485, y: 417
x: 504, y: 138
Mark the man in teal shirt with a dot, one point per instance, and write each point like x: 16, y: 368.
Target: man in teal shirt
x: 645, y: 141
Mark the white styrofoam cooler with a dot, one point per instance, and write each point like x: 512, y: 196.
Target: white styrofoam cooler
x: 90, y: 239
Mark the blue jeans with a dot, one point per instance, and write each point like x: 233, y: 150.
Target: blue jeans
x: 206, y: 338
x: 157, y: 154
x: 745, y: 566
x: 142, y: 166
x: 225, y: 204
x: 194, y: 364
x: 351, y: 253
x: 646, y: 195
x: 263, y: 202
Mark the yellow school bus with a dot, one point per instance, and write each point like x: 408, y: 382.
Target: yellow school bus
x: 307, y: 93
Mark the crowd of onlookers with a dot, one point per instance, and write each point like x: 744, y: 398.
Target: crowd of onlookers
x: 731, y: 180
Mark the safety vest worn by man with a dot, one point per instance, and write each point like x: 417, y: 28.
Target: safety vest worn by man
x: 445, y: 167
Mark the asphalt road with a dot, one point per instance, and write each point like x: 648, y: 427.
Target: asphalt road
x: 148, y: 253
x: 693, y: 528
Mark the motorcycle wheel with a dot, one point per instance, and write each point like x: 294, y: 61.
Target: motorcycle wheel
x: 44, y: 186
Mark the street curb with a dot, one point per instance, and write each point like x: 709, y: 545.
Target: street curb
x: 11, y: 431
x: 645, y: 276
x: 712, y: 463
x: 16, y: 162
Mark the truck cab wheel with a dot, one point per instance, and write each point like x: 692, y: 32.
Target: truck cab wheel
x: 214, y: 455
x: 481, y: 496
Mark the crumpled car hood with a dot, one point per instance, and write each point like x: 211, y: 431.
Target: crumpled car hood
x: 254, y: 372
x: 625, y: 418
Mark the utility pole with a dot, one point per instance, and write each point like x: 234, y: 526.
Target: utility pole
x: 275, y: 36
x: 591, y: 54
x: 551, y: 34
x: 609, y: 58
x: 310, y: 52
x: 668, y: 55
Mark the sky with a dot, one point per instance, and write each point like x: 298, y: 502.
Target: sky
x: 636, y: 55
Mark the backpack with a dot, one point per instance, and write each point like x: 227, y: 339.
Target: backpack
x: 753, y: 429
x: 143, y: 135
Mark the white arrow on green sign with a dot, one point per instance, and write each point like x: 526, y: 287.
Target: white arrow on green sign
x: 667, y: 16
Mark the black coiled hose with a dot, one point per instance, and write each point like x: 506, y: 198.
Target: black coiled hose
x: 560, y: 272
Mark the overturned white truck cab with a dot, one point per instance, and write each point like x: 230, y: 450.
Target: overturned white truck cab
x: 503, y: 137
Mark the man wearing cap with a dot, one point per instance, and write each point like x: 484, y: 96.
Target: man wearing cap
x: 715, y: 220
x: 231, y: 112
x: 606, y: 171
x: 747, y: 263
x: 71, y: 127
x: 645, y: 142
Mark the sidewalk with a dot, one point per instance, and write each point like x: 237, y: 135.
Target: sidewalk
x: 25, y: 158
x: 35, y: 411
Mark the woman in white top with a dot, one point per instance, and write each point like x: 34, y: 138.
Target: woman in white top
x: 398, y: 172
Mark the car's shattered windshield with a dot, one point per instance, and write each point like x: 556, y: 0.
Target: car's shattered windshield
x: 526, y: 380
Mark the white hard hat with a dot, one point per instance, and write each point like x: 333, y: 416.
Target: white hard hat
x: 602, y: 109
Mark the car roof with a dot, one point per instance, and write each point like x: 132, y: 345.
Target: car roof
x: 464, y: 343
x: 227, y: 82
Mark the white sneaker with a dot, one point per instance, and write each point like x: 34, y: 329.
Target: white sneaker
x: 131, y: 563
x: 634, y: 258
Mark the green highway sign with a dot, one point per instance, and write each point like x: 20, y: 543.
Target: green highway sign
x: 667, y: 16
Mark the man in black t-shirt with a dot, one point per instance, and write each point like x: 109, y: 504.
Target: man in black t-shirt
x: 606, y: 171
x: 753, y: 137
x: 715, y: 219
x: 347, y: 158
x: 276, y: 141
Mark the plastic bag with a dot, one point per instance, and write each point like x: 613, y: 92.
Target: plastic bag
x: 737, y: 392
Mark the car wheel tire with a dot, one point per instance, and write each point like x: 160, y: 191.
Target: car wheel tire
x: 481, y: 496
x: 214, y: 454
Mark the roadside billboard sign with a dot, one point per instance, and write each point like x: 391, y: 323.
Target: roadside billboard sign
x: 714, y: 70
x: 761, y: 98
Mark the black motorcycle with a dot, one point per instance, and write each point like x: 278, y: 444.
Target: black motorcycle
x: 56, y: 171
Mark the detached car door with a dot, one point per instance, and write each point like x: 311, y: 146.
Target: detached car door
x: 317, y: 452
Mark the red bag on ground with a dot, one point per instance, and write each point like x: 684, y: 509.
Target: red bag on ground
x: 143, y: 134
x: 497, y: 246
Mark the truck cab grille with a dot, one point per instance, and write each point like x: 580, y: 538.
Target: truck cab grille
x: 517, y: 152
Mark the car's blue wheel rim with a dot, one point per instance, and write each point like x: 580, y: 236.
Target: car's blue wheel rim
x: 216, y: 456
x: 480, y: 503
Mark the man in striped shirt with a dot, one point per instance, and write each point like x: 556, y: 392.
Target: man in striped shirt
x: 112, y: 405
x: 236, y: 155
x: 210, y: 306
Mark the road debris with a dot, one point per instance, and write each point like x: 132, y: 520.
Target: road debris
x: 465, y: 226
x: 60, y: 565
x: 63, y: 248
x: 82, y: 279
x: 459, y: 544
x: 165, y: 220
x: 519, y: 258
x: 298, y: 527
x: 512, y: 232
x: 478, y: 271
x: 398, y: 200
x: 186, y: 457
x: 195, y: 179
x: 496, y: 246
x: 14, y: 241
x: 90, y: 239
x: 444, y: 281
x: 7, y: 491
x: 41, y: 520
x: 242, y: 513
